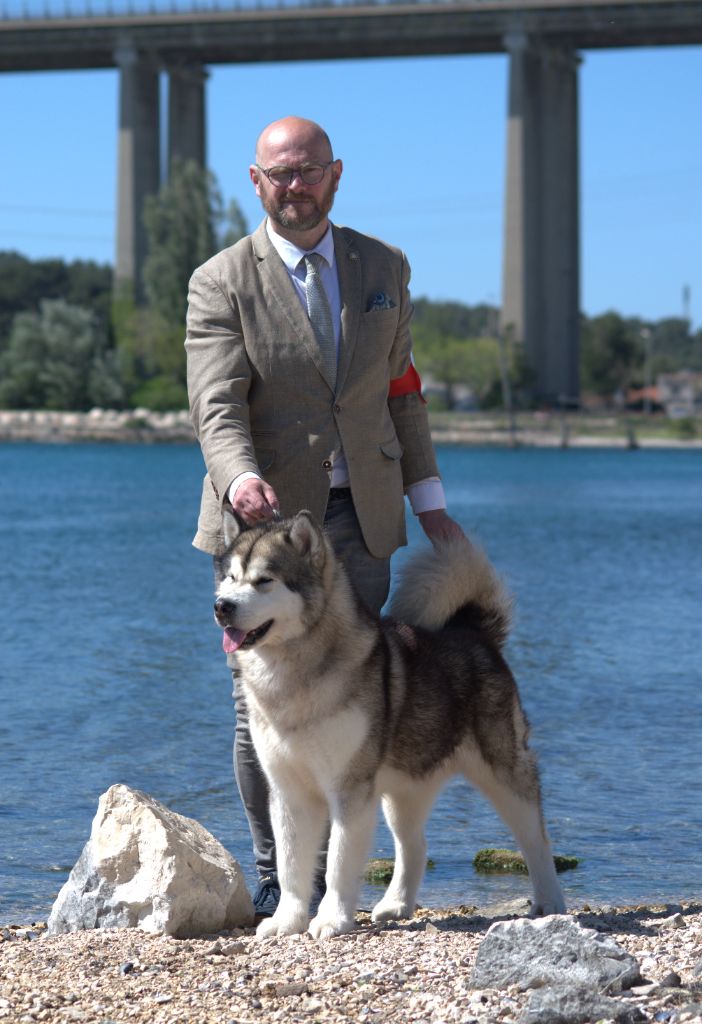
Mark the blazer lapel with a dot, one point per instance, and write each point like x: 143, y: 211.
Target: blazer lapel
x: 349, y: 270
x: 277, y: 284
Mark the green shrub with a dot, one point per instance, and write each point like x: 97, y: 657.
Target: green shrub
x: 162, y: 394
x: 685, y: 428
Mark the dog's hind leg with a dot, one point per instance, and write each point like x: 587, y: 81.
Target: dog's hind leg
x: 406, y: 809
x: 352, y: 823
x: 516, y: 798
x: 298, y: 817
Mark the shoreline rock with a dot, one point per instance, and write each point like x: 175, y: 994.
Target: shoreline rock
x: 145, y: 426
x: 145, y: 866
x: 417, y: 971
x: 130, y: 426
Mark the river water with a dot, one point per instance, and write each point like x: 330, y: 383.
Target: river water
x: 111, y: 668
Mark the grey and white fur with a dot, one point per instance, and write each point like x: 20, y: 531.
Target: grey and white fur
x: 348, y: 709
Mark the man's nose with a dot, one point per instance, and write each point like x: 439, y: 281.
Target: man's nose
x: 296, y: 180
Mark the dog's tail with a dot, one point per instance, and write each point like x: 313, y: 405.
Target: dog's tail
x: 453, y: 581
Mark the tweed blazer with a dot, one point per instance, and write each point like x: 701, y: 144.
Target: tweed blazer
x: 260, y: 402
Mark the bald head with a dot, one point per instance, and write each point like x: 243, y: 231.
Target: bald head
x: 293, y: 133
x: 301, y: 192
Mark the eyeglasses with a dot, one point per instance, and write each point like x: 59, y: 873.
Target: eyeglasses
x: 309, y: 174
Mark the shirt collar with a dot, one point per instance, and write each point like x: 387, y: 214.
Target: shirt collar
x: 291, y: 254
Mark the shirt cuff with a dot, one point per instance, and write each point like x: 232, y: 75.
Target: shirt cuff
x: 234, y: 485
x: 426, y: 495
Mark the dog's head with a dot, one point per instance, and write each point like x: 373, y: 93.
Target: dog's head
x: 272, y: 581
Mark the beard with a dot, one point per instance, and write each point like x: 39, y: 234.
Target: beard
x: 299, y: 212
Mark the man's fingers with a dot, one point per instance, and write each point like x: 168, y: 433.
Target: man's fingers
x: 272, y: 501
x: 255, y: 501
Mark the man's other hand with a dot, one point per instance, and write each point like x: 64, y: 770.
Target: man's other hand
x: 439, y: 526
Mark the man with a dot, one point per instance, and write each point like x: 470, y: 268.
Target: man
x: 303, y: 395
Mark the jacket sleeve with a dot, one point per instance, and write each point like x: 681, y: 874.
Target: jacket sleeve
x: 219, y: 378
x: 408, y: 411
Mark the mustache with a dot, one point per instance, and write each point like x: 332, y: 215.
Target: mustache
x: 297, y: 198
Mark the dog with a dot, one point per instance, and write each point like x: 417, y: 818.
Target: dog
x: 347, y: 709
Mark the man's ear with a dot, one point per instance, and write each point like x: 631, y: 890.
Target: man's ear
x: 255, y: 176
x: 233, y: 525
x: 305, y: 535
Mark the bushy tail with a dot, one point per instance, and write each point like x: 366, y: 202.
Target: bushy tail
x: 454, y: 577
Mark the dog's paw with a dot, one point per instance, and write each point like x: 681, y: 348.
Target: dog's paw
x: 391, y: 910
x: 544, y: 907
x: 282, y: 924
x: 325, y: 926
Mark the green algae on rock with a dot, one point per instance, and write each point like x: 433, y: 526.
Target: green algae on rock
x: 492, y: 861
x: 379, y: 870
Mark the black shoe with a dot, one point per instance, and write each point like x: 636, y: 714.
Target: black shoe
x: 267, y: 897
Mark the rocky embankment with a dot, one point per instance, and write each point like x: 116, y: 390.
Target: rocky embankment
x: 419, y: 972
x: 537, y: 429
x: 141, y: 426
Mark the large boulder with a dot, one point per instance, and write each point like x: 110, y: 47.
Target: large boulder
x: 553, y: 950
x: 147, y: 867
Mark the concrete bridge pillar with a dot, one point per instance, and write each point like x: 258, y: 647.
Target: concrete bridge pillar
x: 541, y: 263
x: 138, y: 162
x: 186, y: 113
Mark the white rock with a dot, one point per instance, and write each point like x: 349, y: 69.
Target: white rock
x: 553, y: 950
x: 147, y: 867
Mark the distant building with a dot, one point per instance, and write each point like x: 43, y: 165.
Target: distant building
x: 642, y: 398
x: 680, y: 393
x: 458, y: 397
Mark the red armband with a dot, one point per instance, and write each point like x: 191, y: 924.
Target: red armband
x: 407, y: 384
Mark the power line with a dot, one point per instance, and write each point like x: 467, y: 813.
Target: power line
x: 58, y: 237
x: 55, y: 210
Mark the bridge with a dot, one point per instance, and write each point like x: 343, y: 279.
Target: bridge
x: 543, y: 38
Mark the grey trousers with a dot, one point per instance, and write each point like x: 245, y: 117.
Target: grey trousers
x: 371, y: 578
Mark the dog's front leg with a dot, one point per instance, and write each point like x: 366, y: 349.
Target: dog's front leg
x: 298, y: 818
x: 352, y: 822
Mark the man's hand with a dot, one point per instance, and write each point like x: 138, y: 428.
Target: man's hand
x: 255, y: 501
x: 439, y: 526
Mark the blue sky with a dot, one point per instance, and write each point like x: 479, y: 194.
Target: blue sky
x: 423, y: 144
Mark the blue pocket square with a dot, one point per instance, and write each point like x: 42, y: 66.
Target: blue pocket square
x: 380, y: 301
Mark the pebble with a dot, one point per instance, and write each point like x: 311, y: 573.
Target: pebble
x: 415, y: 972
x: 676, y: 921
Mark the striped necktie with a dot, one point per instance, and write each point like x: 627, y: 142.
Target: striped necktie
x: 320, y: 314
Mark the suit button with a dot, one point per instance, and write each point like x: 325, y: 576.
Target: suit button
x: 327, y: 464
x: 337, y: 408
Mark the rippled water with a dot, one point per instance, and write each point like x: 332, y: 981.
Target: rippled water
x: 111, y: 669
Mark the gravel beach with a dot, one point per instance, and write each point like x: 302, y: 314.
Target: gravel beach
x: 414, y: 971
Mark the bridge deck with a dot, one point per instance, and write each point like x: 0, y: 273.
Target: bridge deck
x: 341, y: 30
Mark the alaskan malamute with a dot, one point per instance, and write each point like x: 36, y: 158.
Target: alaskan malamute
x: 347, y: 708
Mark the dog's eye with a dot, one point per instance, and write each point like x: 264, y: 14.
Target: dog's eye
x: 262, y: 581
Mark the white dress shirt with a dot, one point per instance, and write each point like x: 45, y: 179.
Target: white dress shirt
x: 424, y: 495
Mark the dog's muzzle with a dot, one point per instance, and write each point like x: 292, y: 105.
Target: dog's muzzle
x: 234, y: 638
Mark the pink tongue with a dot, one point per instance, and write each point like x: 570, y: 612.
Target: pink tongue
x: 232, y: 639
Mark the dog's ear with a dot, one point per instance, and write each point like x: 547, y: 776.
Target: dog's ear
x: 306, y: 535
x: 233, y: 524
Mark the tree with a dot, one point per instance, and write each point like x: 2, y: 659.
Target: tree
x: 454, y: 319
x: 58, y: 358
x: 186, y: 223
x: 180, y: 229
x: 24, y: 283
x: 674, y: 347
x: 451, y: 361
x: 612, y: 354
